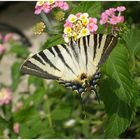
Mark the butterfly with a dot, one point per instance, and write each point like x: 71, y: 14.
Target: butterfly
x: 75, y: 65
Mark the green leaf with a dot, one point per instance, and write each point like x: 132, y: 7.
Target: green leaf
x: 36, y: 97
x: 25, y: 114
x: 118, y: 92
x: 15, y: 75
x: 38, y: 82
x: 132, y: 40
x: 52, y: 41
x: 90, y: 7
x: 61, y: 112
x: 19, y: 50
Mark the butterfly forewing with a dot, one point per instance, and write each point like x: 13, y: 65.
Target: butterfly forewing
x: 66, y: 62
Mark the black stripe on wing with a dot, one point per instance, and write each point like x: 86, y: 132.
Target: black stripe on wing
x: 110, y: 43
x: 45, y: 58
x: 73, y: 44
x: 95, y: 45
x: 62, y: 58
x: 100, y: 39
x: 29, y: 68
x: 67, y: 50
x: 37, y: 58
x: 85, y: 49
x: 51, y: 51
x: 78, y: 42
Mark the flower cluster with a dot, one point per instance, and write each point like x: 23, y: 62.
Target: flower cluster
x: 47, y: 6
x: 4, y: 39
x: 5, y: 96
x: 79, y: 25
x: 112, y: 16
x: 38, y: 28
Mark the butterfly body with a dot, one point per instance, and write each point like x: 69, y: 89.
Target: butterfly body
x: 75, y: 65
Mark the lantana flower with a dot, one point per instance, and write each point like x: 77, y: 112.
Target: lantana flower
x: 79, y: 25
x: 16, y: 127
x: 5, y: 96
x: 38, y: 28
x: 112, y: 16
x: 2, y: 49
x: 47, y: 6
x: 4, y: 39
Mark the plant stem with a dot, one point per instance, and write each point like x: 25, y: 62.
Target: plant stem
x: 48, y: 24
x: 46, y: 20
x: 49, y: 114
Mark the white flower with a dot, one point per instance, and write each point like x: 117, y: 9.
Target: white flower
x: 72, y: 18
x: 84, y: 16
x: 70, y: 123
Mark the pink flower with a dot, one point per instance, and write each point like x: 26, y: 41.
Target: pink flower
x: 114, y: 20
x: 121, y: 8
x: 121, y: 19
x: 68, y: 24
x: 110, y: 11
x: 62, y: 5
x: 112, y: 16
x: 104, y: 18
x: 38, y: 10
x: 16, y: 128
x: 47, y: 8
x: 65, y: 6
x: 93, y: 20
x: 78, y: 15
x: 5, y: 96
x: 7, y: 37
x: 2, y: 49
x: 92, y: 27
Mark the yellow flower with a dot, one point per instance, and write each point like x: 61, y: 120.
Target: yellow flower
x: 40, y: 3
x: 84, y: 32
x: 67, y: 30
x: 72, y: 18
x: 38, y: 28
x: 84, y: 16
x: 74, y: 35
x: 50, y: 1
x: 85, y: 21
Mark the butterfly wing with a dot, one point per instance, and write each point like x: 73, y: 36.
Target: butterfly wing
x: 57, y: 62
x: 94, y: 50
x: 66, y: 62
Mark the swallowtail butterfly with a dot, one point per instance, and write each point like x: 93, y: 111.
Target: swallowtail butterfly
x: 74, y: 65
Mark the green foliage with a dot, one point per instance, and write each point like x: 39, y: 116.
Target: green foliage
x: 19, y: 50
x: 117, y: 92
x: 52, y: 41
x: 90, y: 7
x: 15, y: 75
x: 132, y: 41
